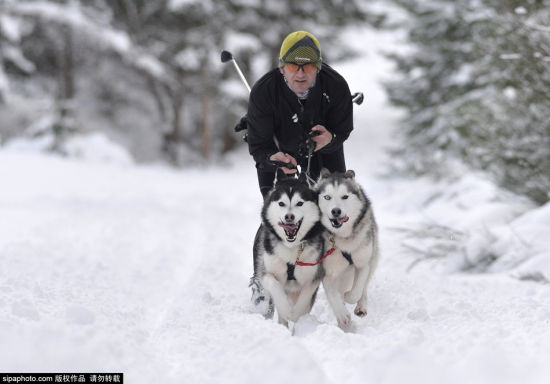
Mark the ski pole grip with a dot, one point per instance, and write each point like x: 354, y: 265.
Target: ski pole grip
x: 358, y: 98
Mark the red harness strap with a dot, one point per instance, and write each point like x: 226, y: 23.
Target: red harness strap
x: 304, y: 264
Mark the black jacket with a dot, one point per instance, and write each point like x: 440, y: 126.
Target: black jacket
x: 279, y: 121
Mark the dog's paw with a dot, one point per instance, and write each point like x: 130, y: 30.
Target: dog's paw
x: 345, y: 323
x: 344, y: 319
x: 352, y: 297
x: 360, y: 311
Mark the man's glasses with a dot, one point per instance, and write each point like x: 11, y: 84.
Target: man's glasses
x: 307, y: 68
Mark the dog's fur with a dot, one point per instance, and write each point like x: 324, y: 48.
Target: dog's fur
x: 347, y: 214
x: 290, y: 219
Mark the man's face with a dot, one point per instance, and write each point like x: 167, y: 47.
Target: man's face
x: 300, y: 77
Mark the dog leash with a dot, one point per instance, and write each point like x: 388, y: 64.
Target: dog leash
x: 327, y: 254
x: 310, y: 147
x: 310, y: 181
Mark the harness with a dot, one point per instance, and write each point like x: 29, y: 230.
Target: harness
x: 327, y: 254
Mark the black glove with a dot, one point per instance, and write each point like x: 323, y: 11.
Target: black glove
x: 242, y: 124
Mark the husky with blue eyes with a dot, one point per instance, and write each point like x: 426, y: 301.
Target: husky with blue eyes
x: 287, y: 250
x: 347, y: 215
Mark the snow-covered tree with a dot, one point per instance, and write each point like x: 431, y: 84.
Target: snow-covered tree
x: 514, y: 138
x: 12, y: 59
x: 473, y: 87
x: 55, y: 44
x: 433, y: 75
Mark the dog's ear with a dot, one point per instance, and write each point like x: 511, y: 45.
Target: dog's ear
x: 349, y: 174
x: 302, y: 178
x: 324, y: 173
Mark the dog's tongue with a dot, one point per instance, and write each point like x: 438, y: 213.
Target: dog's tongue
x: 288, y: 227
x: 343, y: 219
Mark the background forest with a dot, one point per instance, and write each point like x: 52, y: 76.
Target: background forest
x: 147, y: 72
x: 474, y: 79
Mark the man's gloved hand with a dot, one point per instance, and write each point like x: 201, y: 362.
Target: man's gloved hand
x: 285, y: 158
x: 323, y: 138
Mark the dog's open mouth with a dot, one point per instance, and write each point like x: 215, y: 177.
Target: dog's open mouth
x: 337, y: 222
x: 291, y: 230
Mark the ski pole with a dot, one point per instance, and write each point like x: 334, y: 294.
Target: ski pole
x: 228, y: 56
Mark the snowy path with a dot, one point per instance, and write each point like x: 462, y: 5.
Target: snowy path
x: 145, y: 270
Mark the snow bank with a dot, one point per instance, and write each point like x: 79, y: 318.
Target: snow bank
x: 96, y: 147
x: 472, y: 224
x: 92, y: 147
x: 522, y: 245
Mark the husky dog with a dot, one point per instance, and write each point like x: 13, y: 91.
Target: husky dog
x: 290, y: 230
x: 347, y: 214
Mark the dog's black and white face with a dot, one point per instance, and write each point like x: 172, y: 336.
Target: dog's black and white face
x: 291, y: 209
x: 341, y: 201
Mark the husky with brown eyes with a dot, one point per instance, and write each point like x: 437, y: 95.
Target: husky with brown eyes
x: 290, y: 236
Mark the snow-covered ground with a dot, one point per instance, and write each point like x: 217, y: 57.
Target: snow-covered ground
x: 144, y: 270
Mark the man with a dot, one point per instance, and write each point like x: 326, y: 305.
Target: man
x: 303, y: 95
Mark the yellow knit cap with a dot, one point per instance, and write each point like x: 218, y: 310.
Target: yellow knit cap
x: 300, y: 47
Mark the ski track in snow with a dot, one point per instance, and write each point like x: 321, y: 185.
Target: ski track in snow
x: 144, y: 270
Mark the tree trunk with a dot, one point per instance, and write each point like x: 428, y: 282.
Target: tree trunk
x: 177, y: 104
x: 173, y: 139
x: 3, y: 80
x: 205, y: 133
x: 68, y: 88
x: 157, y: 97
x: 65, y: 120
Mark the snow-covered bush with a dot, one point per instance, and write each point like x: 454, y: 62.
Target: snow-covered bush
x: 469, y: 224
